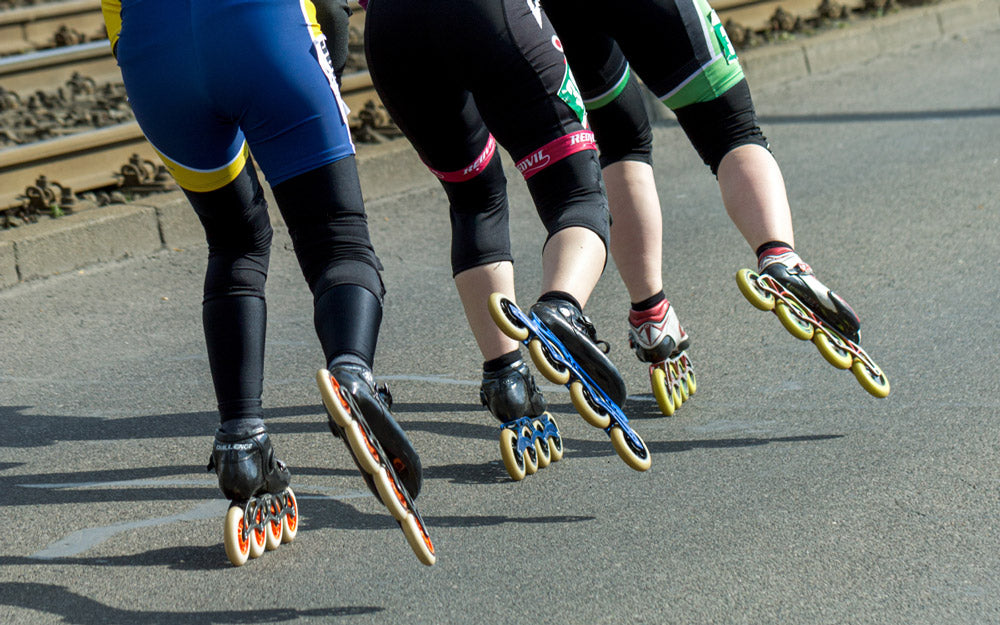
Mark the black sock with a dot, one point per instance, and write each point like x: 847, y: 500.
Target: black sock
x: 649, y: 302
x: 498, y: 363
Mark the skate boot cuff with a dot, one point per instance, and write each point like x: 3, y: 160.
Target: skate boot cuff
x: 511, y: 393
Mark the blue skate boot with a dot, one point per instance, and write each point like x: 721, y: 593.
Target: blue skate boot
x: 263, y: 512
x: 358, y: 414
x: 529, y: 435
x: 656, y: 337
x: 808, y: 310
x: 564, y: 347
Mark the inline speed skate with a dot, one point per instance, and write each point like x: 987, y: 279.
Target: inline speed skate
x: 657, y: 337
x: 529, y: 435
x: 563, y: 346
x: 809, y: 310
x: 358, y: 414
x: 263, y: 512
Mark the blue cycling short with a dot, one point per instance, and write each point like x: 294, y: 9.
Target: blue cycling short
x: 208, y: 79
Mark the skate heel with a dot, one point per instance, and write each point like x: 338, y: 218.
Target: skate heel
x: 351, y: 422
x: 657, y: 337
x: 529, y: 435
x: 263, y: 511
x: 766, y: 293
x: 558, y: 364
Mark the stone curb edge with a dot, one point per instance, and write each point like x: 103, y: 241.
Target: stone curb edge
x: 166, y: 221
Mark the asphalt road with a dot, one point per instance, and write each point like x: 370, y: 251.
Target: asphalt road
x: 781, y: 492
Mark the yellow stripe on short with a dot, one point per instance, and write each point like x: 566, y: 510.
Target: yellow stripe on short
x: 203, y: 180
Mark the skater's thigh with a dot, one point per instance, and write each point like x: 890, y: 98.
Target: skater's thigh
x: 156, y: 53
x: 525, y: 91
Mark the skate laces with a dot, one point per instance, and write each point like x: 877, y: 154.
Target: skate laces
x: 584, y: 322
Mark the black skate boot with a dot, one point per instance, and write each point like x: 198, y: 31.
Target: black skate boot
x: 374, y: 405
x: 263, y: 512
x: 511, y: 393
x: 245, y: 465
x: 529, y: 435
x: 798, y: 278
x: 578, y: 335
x: 358, y: 414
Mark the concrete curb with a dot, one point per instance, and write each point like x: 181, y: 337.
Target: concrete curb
x: 145, y: 226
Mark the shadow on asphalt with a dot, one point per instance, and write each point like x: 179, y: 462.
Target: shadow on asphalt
x: 79, y: 610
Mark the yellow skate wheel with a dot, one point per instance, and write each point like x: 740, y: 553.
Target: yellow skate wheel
x: 692, y: 383
x: 664, y: 396
x: 832, y: 350
x: 746, y: 280
x: 555, y: 442
x: 586, y: 409
x: 542, y: 451
x: 682, y: 389
x: 530, y: 455
x: 420, y: 542
x: 876, y: 384
x: 505, y: 323
x: 290, y: 522
x: 273, y: 529
x: 796, y: 326
x: 637, y: 458
x: 237, y: 547
x: 545, y: 366
x: 513, y: 461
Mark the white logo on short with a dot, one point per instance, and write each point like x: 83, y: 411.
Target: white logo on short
x: 536, y: 10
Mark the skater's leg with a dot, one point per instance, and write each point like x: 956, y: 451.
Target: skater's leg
x: 753, y: 192
x: 475, y: 286
x: 572, y: 262
x: 636, y: 227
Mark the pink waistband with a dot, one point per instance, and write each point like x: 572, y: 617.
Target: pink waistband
x: 472, y: 170
x: 555, y: 151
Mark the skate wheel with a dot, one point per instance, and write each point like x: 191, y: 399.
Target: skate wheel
x: 542, y: 451
x: 682, y: 388
x: 362, y: 449
x: 512, y: 460
x: 746, y: 280
x: 692, y: 382
x: 584, y: 406
x: 237, y: 547
x: 555, y: 441
x: 832, y: 350
x: 274, y: 528
x: 419, y: 540
x: 290, y: 521
x: 497, y: 306
x: 545, y: 366
x: 390, y: 495
x: 530, y: 455
x: 335, y: 406
x: 634, y: 456
x: 796, y: 326
x: 876, y: 384
x: 258, y: 535
x: 664, y: 396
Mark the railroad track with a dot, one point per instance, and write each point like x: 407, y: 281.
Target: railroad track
x: 37, y: 174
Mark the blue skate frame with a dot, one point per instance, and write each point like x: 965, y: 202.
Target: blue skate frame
x: 523, y: 443
x: 559, y: 355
